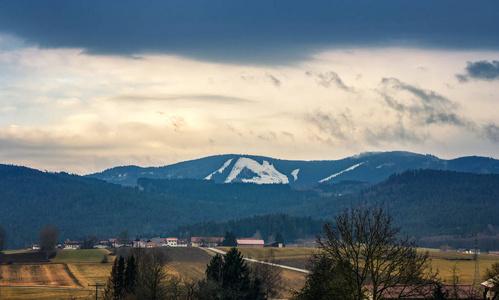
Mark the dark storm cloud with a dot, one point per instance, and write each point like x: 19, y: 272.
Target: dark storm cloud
x: 257, y: 31
x: 426, y: 107
x: 328, y: 78
x: 480, y: 70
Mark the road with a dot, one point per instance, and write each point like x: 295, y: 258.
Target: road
x: 262, y: 262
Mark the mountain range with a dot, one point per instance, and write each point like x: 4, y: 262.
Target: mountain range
x: 425, y: 202
x: 370, y: 167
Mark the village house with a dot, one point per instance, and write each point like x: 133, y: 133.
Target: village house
x: 73, y: 245
x: 139, y: 244
x: 172, y: 242
x: 102, y: 245
x: 206, y: 241
x: 115, y: 243
x: 160, y: 242
x: 250, y: 242
x: 182, y: 243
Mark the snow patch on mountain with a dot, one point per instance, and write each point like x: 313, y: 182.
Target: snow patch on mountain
x: 341, y: 172
x: 295, y: 174
x: 226, y: 164
x: 266, y: 173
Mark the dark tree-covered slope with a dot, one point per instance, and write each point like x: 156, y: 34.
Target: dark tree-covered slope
x: 425, y: 202
x: 79, y: 206
x: 433, y: 202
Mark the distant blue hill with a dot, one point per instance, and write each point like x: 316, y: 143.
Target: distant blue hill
x: 370, y: 167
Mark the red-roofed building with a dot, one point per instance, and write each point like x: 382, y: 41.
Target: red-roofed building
x: 250, y: 242
x: 171, y: 242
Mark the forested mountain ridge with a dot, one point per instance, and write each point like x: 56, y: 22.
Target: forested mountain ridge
x: 80, y: 206
x: 369, y: 167
x: 424, y: 202
x: 433, y: 202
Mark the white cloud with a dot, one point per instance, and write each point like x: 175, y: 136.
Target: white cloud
x: 85, y: 113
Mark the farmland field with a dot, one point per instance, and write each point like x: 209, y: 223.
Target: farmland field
x: 70, y: 273
x: 443, y: 261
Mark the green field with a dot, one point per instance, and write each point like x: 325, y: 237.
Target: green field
x: 87, y: 255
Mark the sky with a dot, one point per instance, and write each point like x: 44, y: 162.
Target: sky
x: 89, y: 85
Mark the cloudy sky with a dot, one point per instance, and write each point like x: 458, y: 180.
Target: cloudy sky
x: 88, y: 85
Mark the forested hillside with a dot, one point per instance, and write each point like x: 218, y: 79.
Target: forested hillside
x: 79, y: 206
x: 431, y: 202
x: 425, y: 203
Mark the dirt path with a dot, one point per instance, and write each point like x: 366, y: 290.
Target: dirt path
x: 213, y: 250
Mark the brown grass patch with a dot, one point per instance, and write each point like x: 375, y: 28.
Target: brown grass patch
x: 90, y: 273
x: 35, y: 275
x: 43, y: 293
x: 445, y: 261
x: 188, y: 270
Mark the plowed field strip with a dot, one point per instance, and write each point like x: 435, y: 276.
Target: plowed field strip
x: 90, y: 273
x: 14, y: 274
x: 38, y: 275
x: 72, y: 275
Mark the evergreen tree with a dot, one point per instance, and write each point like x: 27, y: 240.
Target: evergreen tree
x: 115, y: 287
x: 229, y: 239
x: 229, y: 279
x: 119, y: 285
x: 214, y: 269
x: 279, y: 238
x: 130, y: 276
x: 235, y: 275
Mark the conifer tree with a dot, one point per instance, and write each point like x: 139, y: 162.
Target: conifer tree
x: 214, y: 269
x: 229, y: 239
x: 228, y: 278
x: 115, y: 287
x: 130, y: 276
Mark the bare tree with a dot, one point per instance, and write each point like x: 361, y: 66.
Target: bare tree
x: 152, y: 279
x: 270, y: 276
x: 49, y: 236
x: 367, y: 253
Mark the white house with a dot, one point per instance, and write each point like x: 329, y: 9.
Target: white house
x: 172, y: 242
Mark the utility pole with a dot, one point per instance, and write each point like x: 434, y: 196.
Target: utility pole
x: 97, y: 285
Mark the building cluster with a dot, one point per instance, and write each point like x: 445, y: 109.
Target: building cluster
x: 467, y: 251
x: 167, y: 242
